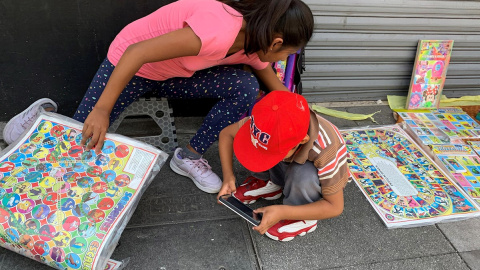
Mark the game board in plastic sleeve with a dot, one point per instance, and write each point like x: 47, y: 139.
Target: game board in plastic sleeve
x: 405, y: 187
x: 67, y: 207
x: 441, y: 126
x: 463, y: 164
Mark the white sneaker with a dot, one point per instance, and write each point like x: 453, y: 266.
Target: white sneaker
x: 20, y: 122
x: 198, y: 170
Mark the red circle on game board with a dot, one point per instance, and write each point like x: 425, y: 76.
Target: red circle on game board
x: 4, y: 215
x: 122, y: 180
x: 51, y: 158
x: 106, y: 203
x: 71, y: 223
x: 75, y: 151
x: 39, y: 247
x: 122, y: 151
x: 96, y: 215
x: 99, y: 187
x: 6, y: 166
x: 51, y: 198
x: 57, y: 131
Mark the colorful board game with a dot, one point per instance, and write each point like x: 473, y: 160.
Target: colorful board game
x: 464, y: 165
x: 67, y: 207
x: 404, y: 186
x: 441, y: 126
x: 429, y: 73
x: 475, y: 145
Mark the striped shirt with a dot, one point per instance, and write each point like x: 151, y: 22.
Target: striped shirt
x: 326, y: 149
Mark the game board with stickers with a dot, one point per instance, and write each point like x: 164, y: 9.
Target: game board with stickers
x: 404, y: 186
x: 67, y: 207
x: 440, y: 126
x: 464, y: 165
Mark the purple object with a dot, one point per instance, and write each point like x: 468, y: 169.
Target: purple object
x: 290, y: 71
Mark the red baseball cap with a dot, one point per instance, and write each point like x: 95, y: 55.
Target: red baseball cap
x: 279, y: 122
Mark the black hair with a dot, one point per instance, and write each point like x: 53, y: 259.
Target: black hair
x: 292, y: 19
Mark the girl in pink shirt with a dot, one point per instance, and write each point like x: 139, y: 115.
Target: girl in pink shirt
x: 185, y: 50
x: 188, y: 49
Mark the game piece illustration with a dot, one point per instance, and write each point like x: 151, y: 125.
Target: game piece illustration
x: 65, y: 206
x: 404, y: 186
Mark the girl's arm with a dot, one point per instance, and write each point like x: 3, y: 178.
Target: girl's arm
x: 225, y: 150
x: 182, y: 42
x: 270, y: 79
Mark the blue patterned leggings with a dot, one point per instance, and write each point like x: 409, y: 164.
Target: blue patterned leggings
x: 236, y: 89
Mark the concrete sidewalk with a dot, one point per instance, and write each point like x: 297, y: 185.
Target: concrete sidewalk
x: 177, y: 226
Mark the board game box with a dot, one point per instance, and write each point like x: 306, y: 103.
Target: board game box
x: 401, y: 182
x: 67, y: 207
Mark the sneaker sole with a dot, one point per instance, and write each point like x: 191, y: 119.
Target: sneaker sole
x: 290, y: 238
x: 176, y: 169
x: 42, y: 100
x: 265, y: 198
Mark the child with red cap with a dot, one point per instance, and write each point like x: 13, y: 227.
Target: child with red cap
x: 288, y: 148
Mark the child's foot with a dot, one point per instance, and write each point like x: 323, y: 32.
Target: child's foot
x: 253, y: 189
x: 286, y: 230
x: 198, y: 170
x: 20, y: 122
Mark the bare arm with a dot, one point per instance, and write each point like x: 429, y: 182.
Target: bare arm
x: 182, y: 42
x: 270, y: 79
x: 225, y: 149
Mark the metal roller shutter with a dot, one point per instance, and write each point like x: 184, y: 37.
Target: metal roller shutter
x: 365, y: 50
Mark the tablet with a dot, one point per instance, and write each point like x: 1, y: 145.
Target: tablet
x: 241, y: 209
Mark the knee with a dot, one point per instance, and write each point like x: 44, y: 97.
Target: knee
x: 305, y: 178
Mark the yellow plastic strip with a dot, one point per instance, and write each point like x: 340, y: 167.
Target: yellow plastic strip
x: 344, y: 115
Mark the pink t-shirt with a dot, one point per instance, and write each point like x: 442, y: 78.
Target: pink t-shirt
x: 216, y: 24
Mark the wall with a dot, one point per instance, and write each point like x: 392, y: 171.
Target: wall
x: 365, y: 49
x: 52, y: 48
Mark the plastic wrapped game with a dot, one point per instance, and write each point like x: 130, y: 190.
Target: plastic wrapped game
x: 440, y: 126
x: 463, y: 164
x: 67, y: 207
x: 401, y: 182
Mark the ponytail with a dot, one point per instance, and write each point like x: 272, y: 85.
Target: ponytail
x: 292, y: 19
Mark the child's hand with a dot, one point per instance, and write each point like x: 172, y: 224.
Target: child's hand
x: 228, y: 187
x: 95, y: 126
x: 271, y: 216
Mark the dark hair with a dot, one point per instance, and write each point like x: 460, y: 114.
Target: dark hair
x: 292, y: 19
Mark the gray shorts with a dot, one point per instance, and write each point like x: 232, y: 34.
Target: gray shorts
x: 299, y: 181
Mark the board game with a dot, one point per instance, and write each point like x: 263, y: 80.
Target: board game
x: 463, y: 164
x: 429, y: 73
x: 67, y: 207
x: 440, y: 126
x: 475, y: 145
x: 404, y: 186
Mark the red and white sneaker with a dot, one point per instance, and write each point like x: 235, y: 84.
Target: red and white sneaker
x: 286, y: 230
x: 253, y: 189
